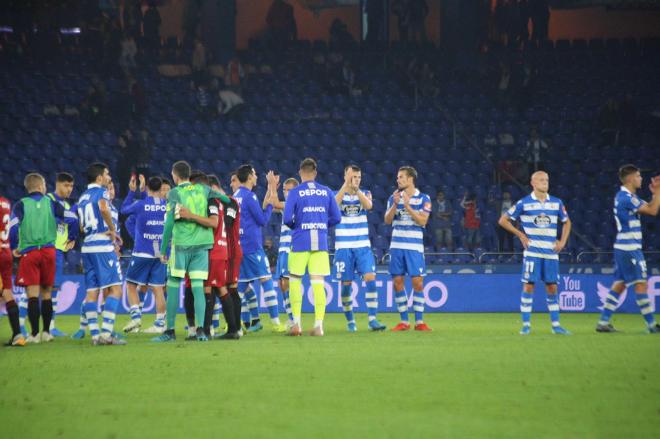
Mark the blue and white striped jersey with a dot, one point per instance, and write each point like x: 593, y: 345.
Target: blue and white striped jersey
x: 285, y: 239
x: 92, y: 223
x: 628, y: 224
x: 353, y: 231
x: 539, y: 221
x: 406, y: 233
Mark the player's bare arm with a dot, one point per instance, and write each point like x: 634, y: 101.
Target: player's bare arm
x: 389, y: 215
x: 106, y: 213
x: 505, y: 223
x: 653, y: 207
x: 565, y: 233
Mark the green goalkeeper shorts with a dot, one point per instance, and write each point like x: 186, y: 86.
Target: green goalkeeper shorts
x: 193, y: 262
x: 316, y: 262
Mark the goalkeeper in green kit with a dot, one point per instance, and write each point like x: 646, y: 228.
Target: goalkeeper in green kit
x: 191, y: 243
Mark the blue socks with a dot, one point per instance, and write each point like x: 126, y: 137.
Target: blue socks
x: 645, y: 308
x: 418, y: 306
x: 526, y: 300
x: 109, y: 316
x: 553, y: 309
x: 215, y: 320
x: 92, y: 317
x: 401, y: 300
x: 270, y: 299
x: 611, y: 302
x: 245, y: 312
x: 371, y: 299
x: 347, y: 302
x: 287, y: 305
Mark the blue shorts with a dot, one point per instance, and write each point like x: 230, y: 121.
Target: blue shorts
x: 407, y: 262
x: 348, y: 261
x: 59, y: 267
x: 254, y: 266
x: 102, y: 270
x: 629, y: 267
x: 540, y: 270
x: 282, y: 268
x: 147, y: 271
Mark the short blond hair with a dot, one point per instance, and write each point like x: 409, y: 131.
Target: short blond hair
x: 292, y: 181
x: 32, y: 181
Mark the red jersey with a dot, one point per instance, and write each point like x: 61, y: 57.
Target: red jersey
x: 5, y: 214
x: 233, y: 231
x: 220, y: 248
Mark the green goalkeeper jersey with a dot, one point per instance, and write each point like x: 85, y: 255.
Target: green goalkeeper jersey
x: 186, y: 234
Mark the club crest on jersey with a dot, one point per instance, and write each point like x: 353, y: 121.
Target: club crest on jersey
x: 351, y: 210
x: 542, y: 220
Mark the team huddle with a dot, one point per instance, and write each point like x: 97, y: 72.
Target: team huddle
x: 195, y: 237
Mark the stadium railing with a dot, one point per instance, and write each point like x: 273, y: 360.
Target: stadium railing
x: 598, y: 255
x: 465, y: 257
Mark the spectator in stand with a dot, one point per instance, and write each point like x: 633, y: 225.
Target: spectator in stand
x: 534, y: 151
x: 523, y: 22
x: 128, y: 52
x: 608, y: 120
x: 94, y: 104
x: 504, y: 83
x: 504, y: 238
x: 348, y: 76
x: 340, y: 37
x: 132, y: 18
x: 151, y: 24
x: 198, y: 63
x: 281, y: 23
x: 539, y: 11
x: 230, y: 104
x: 471, y: 222
x: 234, y: 75
x: 442, y: 212
x: 628, y: 118
x: 427, y: 82
x: 203, y: 96
x: 418, y: 10
x: 143, y: 156
x: 128, y: 152
x: 400, y: 9
x: 138, y: 99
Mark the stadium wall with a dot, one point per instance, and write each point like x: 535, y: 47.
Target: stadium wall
x: 469, y: 293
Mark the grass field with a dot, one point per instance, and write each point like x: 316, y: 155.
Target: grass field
x: 474, y: 376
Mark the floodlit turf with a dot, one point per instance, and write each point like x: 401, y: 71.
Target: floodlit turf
x: 473, y: 376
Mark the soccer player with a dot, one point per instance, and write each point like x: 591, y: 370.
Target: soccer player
x: 190, y: 245
x: 67, y: 232
x: 408, y: 212
x: 145, y: 268
x: 33, y: 232
x: 630, y: 266
x: 100, y: 260
x: 6, y: 264
x: 254, y: 266
x: 539, y: 214
x: 234, y: 184
x: 235, y: 257
x: 310, y: 210
x: 353, y: 248
x: 282, y: 268
x: 221, y: 217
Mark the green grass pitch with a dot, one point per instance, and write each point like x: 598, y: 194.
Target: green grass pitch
x: 474, y: 376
